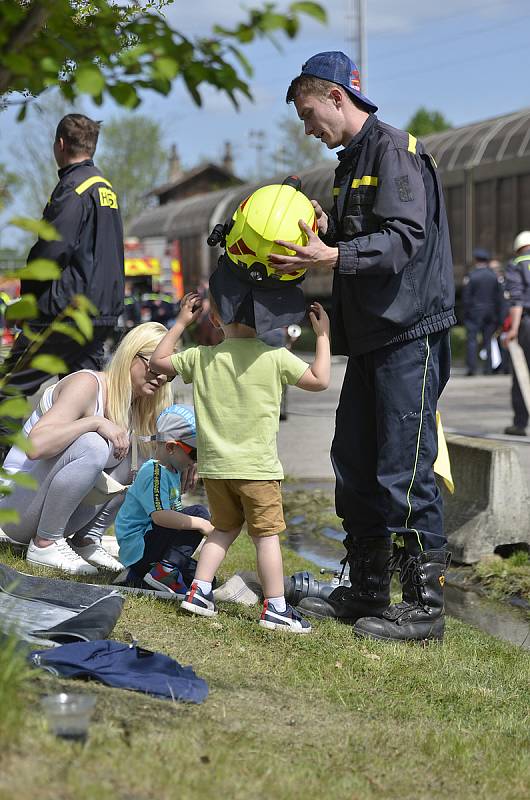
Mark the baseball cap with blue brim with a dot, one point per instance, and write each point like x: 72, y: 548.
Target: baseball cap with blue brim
x: 176, y: 423
x: 337, y: 67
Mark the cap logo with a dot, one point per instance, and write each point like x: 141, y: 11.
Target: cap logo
x: 355, y: 80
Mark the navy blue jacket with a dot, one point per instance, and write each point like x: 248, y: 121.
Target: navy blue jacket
x: 482, y: 296
x: 394, y: 279
x: 84, y: 210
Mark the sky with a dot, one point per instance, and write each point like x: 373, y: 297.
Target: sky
x: 465, y: 58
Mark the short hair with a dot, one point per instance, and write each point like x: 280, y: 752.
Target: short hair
x: 317, y: 87
x: 80, y: 134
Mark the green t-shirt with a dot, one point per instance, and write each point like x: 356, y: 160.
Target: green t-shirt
x: 237, y: 389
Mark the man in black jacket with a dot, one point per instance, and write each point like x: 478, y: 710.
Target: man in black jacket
x: 386, y: 243
x: 83, y: 208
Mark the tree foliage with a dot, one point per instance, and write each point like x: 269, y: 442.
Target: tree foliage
x: 296, y: 151
x: 101, y: 48
x: 131, y: 155
x: 424, y: 122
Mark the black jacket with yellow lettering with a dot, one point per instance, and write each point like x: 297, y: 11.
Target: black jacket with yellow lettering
x: 84, y: 210
x: 394, y: 277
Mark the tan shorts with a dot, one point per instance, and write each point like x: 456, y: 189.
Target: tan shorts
x: 233, y: 501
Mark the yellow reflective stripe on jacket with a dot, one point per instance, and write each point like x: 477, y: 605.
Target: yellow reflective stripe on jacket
x: 525, y: 257
x: 366, y: 180
x: 412, y: 143
x: 336, y: 191
x: 90, y: 182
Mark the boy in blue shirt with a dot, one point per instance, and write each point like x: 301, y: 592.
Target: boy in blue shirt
x: 156, y: 535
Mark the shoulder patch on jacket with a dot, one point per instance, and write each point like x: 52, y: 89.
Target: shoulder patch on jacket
x: 403, y: 187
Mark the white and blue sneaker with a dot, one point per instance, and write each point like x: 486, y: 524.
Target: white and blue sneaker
x: 199, y: 603
x: 288, y: 620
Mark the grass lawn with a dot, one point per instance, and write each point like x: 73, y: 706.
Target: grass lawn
x: 287, y: 716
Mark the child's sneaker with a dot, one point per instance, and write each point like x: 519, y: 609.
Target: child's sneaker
x: 288, y: 620
x: 199, y: 603
x: 166, y: 577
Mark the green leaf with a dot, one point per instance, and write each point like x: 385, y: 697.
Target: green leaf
x: 24, y: 308
x: 89, y: 80
x: 9, y: 515
x: 242, y: 60
x: 314, y: 10
x: 16, y: 407
x: 51, y: 364
x: 41, y: 269
x: 83, y: 322
x: 40, y: 228
x: 21, y: 116
x: 84, y: 304
x: 25, y: 480
x: 68, y: 330
x: 125, y: 95
x: 166, y: 67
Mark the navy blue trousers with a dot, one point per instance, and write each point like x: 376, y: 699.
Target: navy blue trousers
x: 385, y: 442
x: 170, y: 544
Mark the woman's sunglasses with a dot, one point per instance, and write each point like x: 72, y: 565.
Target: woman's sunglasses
x: 147, y: 362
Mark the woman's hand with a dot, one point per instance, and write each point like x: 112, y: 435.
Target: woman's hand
x: 115, y: 435
x: 188, y: 478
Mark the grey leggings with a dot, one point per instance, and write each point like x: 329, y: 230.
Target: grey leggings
x: 54, y: 509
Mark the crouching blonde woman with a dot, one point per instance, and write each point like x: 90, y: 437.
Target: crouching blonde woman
x: 82, y: 427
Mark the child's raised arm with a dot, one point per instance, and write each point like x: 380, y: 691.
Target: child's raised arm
x: 316, y: 377
x: 160, y: 361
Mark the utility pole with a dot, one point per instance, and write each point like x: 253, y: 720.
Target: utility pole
x: 356, y: 38
x: 257, y: 141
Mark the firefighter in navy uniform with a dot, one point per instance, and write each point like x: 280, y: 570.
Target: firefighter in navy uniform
x: 386, y: 242
x: 84, y: 210
x: 517, y: 284
x: 482, y: 299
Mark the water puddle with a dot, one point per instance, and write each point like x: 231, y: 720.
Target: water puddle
x: 324, y: 548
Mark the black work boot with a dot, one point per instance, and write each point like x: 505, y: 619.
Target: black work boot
x: 420, y: 615
x: 369, y: 593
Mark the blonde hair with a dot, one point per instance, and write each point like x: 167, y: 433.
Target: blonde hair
x: 136, y: 414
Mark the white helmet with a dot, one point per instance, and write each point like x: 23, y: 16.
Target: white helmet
x: 521, y: 240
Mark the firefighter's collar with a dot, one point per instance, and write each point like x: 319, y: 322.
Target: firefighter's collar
x: 357, y: 139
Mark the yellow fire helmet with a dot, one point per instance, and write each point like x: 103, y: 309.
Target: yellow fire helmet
x: 270, y: 213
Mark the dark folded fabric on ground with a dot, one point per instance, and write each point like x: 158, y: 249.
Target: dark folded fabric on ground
x: 126, y: 667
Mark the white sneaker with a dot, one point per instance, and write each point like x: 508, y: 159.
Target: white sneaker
x: 97, y: 555
x: 60, y: 556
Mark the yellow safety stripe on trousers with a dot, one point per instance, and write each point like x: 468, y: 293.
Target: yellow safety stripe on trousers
x: 90, y: 182
x: 412, y: 143
x: 366, y: 180
x: 418, y: 443
x: 336, y: 191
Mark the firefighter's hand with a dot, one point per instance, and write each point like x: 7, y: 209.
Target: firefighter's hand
x: 322, y: 217
x: 315, y: 254
x: 190, y: 308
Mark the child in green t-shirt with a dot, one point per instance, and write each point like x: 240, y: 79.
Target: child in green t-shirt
x: 237, y: 387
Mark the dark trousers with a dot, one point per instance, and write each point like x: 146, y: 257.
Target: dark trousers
x: 520, y: 412
x: 385, y: 442
x: 170, y: 544
x: 485, y: 326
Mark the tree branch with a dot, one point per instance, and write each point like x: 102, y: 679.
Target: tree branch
x: 34, y: 20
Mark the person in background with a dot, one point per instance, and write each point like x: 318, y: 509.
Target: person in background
x: 517, y: 277
x: 482, y: 300
x: 84, y: 210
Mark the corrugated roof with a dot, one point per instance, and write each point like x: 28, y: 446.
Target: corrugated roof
x: 496, y: 139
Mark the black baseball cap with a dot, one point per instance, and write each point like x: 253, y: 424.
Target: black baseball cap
x: 336, y: 67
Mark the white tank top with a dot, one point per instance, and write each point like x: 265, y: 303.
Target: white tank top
x: 16, y: 460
